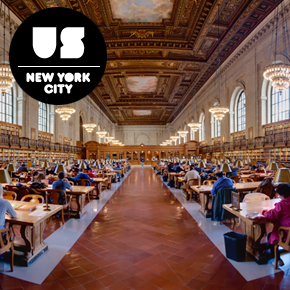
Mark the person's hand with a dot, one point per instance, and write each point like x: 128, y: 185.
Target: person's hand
x: 65, y: 179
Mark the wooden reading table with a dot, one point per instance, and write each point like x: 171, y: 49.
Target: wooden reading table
x: 31, y: 229
x: 254, y: 229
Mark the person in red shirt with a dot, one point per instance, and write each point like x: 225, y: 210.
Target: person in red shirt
x: 261, y: 169
x: 279, y: 216
x: 91, y: 174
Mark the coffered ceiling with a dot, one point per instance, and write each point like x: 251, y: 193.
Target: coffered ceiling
x: 160, y: 52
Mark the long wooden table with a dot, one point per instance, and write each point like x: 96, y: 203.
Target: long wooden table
x: 31, y: 229
x: 254, y: 229
x: 97, y: 181
x: 204, y: 193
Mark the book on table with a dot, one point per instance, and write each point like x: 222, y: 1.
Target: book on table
x: 24, y: 207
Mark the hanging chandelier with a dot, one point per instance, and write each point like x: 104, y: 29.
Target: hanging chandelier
x: 110, y: 138
x: 89, y: 127
x: 168, y: 142
x: 278, y: 72
x: 65, y: 112
x: 182, y: 133
x: 174, y: 138
x: 6, y: 77
x: 115, y: 142
x: 102, y: 134
x: 219, y: 112
x: 194, y: 126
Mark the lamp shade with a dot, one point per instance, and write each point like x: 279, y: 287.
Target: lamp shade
x: 4, y: 176
x: 225, y: 168
x: 201, y: 165
x: 66, y: 163
x: 82, y: 166
x: 245, y: 161
x: 217, y: 162
x: 273, y: 166
x: 11, y: 167
x: 282, y: 176
x: 268, y: 161
x: 187, y: 162
x: 239, y: 163
x: 60, y: 168
x: 45, y: 164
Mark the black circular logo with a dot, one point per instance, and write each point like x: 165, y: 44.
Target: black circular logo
x: 58, y: 56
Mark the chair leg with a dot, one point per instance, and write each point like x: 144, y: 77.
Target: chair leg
x: 68, y: 212
x: 62, y: 216
x: 276, y: 256
x: 12, y: 258
x: 190, y: 196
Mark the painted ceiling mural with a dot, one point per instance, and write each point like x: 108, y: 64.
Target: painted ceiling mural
x: 160, y: 52
x: 141, y: 10
x: 142, y: 84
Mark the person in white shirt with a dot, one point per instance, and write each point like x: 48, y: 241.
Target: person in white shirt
x: 191, y: 174
x: 5, y: 207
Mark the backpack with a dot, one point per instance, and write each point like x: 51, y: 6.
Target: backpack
x: 38, y: 185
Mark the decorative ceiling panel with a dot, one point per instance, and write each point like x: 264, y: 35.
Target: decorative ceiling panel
x: 160, y: 52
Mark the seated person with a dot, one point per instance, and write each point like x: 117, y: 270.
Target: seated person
x: 261, y: 169
x: 62, y: 184
x: 191, y: 174
x: 177, y: 168
x: 37, y: 176
x: 82, y: 175
x: 49, y: 170
x: 222, y: 182
x: 233, y: 173
x: 170, y: 167
x: 279, y: 216
x: 22, y: 168
x: 255, y: 166
x: 91, y: 174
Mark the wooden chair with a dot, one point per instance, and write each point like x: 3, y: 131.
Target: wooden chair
x: 209, y: 182
x: 10, y: 195
x: 71, y: 183
x: 235, y: 179
x: 33, y: 198
x: 246, y: 179
x: 255, y: 177
x: 7, y: 244
x: 14, y: 179
x: 189, y: 183
x: 54, y: 195
x: 284, y: 242
x: 108, y: 183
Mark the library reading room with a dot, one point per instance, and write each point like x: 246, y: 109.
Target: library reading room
x: 169, y: 168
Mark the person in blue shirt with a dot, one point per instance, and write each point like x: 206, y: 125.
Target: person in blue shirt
x: 62, y: 184
x: 82, y: 175
x: 222, y: 182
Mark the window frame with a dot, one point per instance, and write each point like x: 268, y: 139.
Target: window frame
x: 5, y: 116
x: 241, y: 119
x: 42, y: 117
x: 279, y: 112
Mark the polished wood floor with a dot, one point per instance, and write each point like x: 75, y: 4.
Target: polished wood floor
x: 144, y: 239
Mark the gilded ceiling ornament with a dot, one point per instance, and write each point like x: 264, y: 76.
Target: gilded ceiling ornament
x: 142, y: 33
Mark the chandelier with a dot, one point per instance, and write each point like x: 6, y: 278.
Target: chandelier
x: 219, y: 112
x: 168, y: 142
x: 89, y: 127
x: 182, y: 133
x: 110, y: 138
x: 102, y: 134
x: 65, y: 112
x: 6, y: 77
x: 194, y: 126
x: 115, y: 142
x: 278, y: 73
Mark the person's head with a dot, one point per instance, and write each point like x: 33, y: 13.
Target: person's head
x: 23, y: 164
x: 177, y: 163
x: 191, y: 167
x: 35, y: 173
x: 283, y: 190
x: 261, y: 166
x: 219, y: 174
x: 61, y: 175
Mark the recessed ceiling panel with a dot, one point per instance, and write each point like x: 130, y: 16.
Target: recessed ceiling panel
x: 142, y: 84
x: 142, y: 112
x: 141, y: 10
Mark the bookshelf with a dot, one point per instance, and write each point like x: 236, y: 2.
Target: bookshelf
x: 44, y: 136
x: 10, y: 129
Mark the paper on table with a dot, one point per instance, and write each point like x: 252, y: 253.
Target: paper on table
x: 39, y: 213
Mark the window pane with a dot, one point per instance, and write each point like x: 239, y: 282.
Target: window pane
x: 280, y: 105
x: 42, y: 117
x: 6, y: 107
x: 241, y: 112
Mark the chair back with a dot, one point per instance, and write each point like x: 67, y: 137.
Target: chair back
x: 55, y: 195
x: 235, y: 179
x: 246, y: 179
x: 193, y: 181
x: 209, y: 182
x: 84, y: 182
x: 35, y: 198
x: 14, y: 179
x: 9, y: 195
x: 267, y: 187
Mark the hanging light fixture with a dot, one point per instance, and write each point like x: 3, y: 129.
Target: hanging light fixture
x: 110, y: 138
x: 102, y: 134
x: 217, y: 110
x: 174, y: 138
x: 115, y: 142
x: 6, y: 77
x: 168, y: 142
x: 89, y: 127
x: 65, y: 112
x: 182, y: 133
x: 194, y: 126
x: 278, y: 72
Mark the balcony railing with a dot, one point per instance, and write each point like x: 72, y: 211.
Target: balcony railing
x: 276, y: 140
x: 22, y: 142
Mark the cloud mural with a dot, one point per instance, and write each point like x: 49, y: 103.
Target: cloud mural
x: 142, y: 84
x: 142, y: 10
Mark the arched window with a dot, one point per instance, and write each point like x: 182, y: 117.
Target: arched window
x: 217, y: 128
x: 241, y: 112
x: 202, y: 128
x: 42, y: 117
x: 280, y: 105
x: 6, y: 107
x: 81, y: 130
